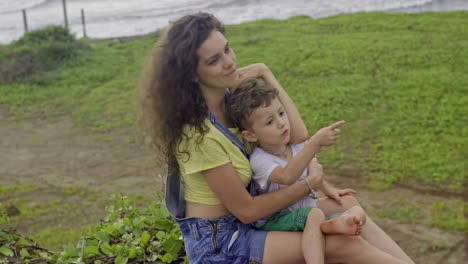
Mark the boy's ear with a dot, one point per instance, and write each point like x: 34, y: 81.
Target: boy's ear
x: 249, y: 136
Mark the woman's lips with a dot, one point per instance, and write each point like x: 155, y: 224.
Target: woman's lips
x: 230, y: 73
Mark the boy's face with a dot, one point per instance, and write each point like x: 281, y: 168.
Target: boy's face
x: 270, y: 125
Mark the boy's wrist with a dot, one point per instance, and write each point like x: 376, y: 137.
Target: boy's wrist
x: 311, y: 190
x: 309, y: 186
x: 315, y: 141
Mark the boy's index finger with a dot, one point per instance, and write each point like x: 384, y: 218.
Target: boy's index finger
x: 337, y: 124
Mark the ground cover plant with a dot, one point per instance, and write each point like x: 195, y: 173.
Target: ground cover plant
x: 399, y: 80
x: 127, y: 235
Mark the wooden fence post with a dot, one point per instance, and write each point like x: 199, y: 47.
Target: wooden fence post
x: 83, y: 22
x: 65, y: 13
x: 25, y: 21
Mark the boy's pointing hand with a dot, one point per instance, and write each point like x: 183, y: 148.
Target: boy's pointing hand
x: 328, y: 136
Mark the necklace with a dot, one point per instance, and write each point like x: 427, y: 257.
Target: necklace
x: 283, y: 154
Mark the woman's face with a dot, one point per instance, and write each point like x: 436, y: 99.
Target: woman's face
x: 217, y: 63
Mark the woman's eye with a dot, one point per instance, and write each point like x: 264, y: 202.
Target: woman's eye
x: 281, y: 113
x: 269, y: 122
x: 213, y: 61
x: 227, y: 49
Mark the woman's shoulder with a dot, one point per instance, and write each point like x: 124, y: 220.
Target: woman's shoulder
x: 193, y: 135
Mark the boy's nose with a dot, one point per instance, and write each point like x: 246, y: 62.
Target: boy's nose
x: 281, y: 122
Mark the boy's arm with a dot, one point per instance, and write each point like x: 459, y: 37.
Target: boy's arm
x: 293, y: 170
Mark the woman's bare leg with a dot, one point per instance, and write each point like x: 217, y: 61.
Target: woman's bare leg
x: 276, y: 250
x: 371, y: 232
x: 355, y: 250
x: 338, y: 249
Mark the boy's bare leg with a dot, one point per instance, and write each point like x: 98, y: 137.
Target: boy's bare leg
x: 349, y: 223
x: 313, y: 240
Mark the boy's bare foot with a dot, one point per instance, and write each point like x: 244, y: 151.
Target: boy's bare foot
x: 349, y: 223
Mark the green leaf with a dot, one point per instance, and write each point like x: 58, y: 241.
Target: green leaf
x: 163, y: 224
x: 71, y: 251
x: 137, y: 222
x: 173, y: 245
x: 145, y: 236
x: 167, y: 258
x: 110, y: 229
x: 160, y: 235
x: 22, y: 242
x: 127, y: 222
x: 92, y: 242
x: 103, y: 236
x: 92, y: 251
x: 106, y: 249
x: 24, y: 253
x: 132, y: 253
x: 6, y: 251
x: 121, y: 259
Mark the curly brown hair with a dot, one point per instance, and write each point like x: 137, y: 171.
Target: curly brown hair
x: 248, y: 96
x: 170, y: 98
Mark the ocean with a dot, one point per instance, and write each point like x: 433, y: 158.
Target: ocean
x: 119, y: 18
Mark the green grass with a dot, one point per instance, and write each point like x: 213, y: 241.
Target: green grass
x: 399, y: 80
x: 97, y: 89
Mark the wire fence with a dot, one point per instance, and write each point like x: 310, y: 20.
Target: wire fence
x: 96, y: 21
x: 65, y: 18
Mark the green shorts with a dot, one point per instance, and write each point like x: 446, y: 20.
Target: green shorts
x: 290, y: 221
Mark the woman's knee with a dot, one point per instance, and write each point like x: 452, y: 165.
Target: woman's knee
x: 349, y: 201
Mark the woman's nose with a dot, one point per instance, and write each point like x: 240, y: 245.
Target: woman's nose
x: 228, y: 61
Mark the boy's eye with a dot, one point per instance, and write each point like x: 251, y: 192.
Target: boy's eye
x: 269, y: 122
x: 281, y: 113
x: 227, y: 49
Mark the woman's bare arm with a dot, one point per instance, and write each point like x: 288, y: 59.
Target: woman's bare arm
x: 226, y: 184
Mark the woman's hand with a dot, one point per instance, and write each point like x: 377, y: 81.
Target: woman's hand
x: 315, y: 177
x: 328, y: 136
x: 257, y: 70
x: 334, y: 193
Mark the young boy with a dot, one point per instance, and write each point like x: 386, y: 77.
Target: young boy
x: 256, y: 110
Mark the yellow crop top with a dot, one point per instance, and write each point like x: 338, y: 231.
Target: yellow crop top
x: 213, y: 151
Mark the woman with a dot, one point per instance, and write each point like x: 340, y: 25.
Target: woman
x: 183, y: 108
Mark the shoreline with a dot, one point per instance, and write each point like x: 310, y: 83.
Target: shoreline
x: 435, y: 6
x: 421, y: 9
x: 108, y: 25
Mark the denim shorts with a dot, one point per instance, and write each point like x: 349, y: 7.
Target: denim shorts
x: 222, y: 240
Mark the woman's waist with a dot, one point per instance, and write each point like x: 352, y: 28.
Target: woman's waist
x: 199, y: 210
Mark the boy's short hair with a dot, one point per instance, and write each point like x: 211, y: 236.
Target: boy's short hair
x: 249, y: 95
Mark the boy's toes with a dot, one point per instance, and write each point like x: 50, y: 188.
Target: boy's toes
x: 358, y: 230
